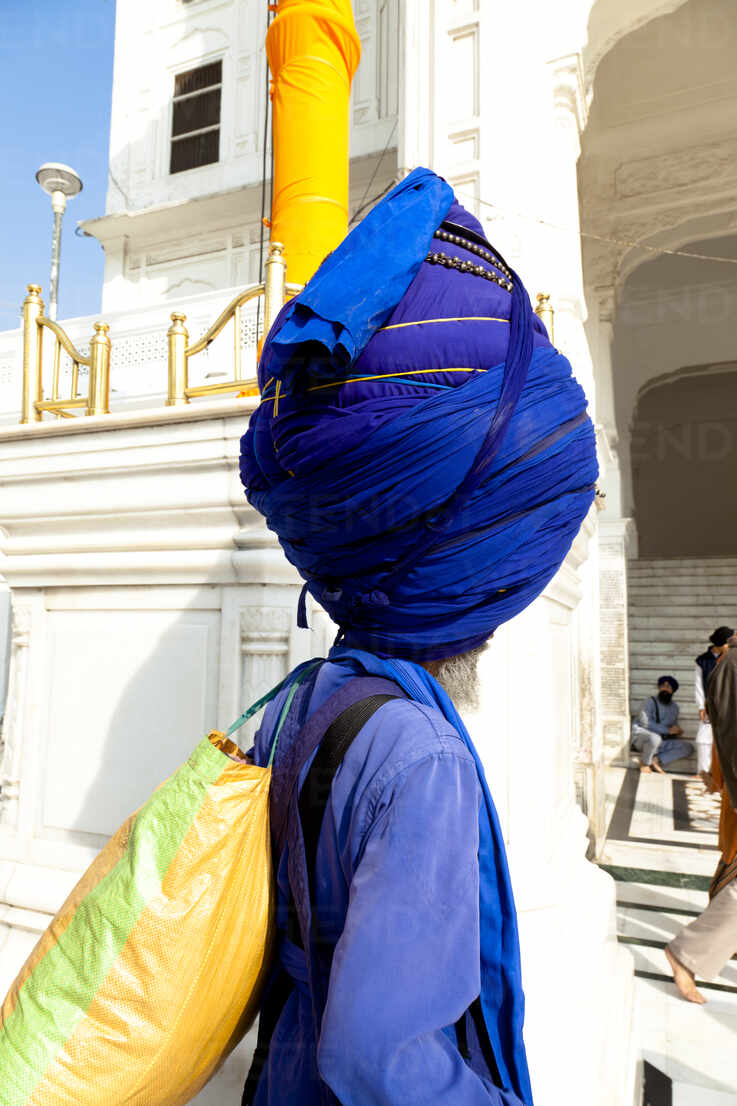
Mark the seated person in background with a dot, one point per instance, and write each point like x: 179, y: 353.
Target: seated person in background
x: 655, y: 729
x: 720, y: 641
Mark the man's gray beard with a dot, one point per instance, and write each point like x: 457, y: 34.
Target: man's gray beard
x: 459, y: 676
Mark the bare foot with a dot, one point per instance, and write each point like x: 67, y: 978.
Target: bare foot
x: 657, y: 766
x: 645, y: 768
x: 707, y: 780
x: 684, y: 980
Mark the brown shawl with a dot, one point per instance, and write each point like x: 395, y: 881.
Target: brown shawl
x: 722, y: 706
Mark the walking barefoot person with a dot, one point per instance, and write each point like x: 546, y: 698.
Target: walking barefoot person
x: 703, y: 947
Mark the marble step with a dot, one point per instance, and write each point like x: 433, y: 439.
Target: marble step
x: 689, y: 1094
x: 649, y: 652
x: 647, y: 655
x: 682, y: 636
x: 691, y: 565
x: 704, y: 605
x: 701, y: 614
x: 684, y: 585
x: 720, y: 576
x: 654, y: 621
x: 703, y: 586
x: 661, y: 866
x: 651, y: 959
x: 680, y: 901
x: 657, y: 927
x: 693, y: 1045
x: 645, y: 685
x: 642, y: 688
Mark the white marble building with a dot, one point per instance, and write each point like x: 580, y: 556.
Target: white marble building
x: 149, y: 602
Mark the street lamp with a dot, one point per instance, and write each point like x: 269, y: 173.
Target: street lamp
x: 59, y: 181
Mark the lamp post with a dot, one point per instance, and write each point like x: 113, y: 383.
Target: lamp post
x: 59, y: 181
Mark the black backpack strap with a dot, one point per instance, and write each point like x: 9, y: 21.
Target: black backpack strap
x: 476, y: 1013
x: 288, y: 766
x: 315, y: 792
x: 313, y: 800
x: 278, y: 990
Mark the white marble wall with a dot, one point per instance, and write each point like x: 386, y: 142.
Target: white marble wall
x: 151, y: 606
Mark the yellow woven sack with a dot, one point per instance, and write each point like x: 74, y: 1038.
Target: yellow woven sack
x: 152, y: 970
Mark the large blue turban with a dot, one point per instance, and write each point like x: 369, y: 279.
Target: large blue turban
x: 421, y: 449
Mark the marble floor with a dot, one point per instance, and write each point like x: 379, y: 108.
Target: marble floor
x: 661, y: 849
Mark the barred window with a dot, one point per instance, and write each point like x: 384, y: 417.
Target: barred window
x: 195, y: 120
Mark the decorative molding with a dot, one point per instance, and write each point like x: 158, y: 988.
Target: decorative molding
x: 14, y: 719
x: 204, y: 285
x: 565, y: 587
x: 464, y: 60
x: 602, y: 41
x: 33, y: 891
x: 193, y: 250
x: 656, y: 223
x: 264, y: 646
x: 465, y: 144
x: 218, y: 36
x: 714, y: 162
x: 265, y: 632
x: 569, y: 94
x: 606, y: 300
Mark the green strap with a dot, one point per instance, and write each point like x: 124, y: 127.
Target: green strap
x: 284, y: 712
x: 298, y: 679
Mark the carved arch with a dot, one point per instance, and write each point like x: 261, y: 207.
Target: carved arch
x: 611, y: 20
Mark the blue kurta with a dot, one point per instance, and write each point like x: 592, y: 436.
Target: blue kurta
x: 397, y: 892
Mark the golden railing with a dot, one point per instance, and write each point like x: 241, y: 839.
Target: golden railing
x: 97, y: 400
x: 544, y: 311
x: 275, y: 291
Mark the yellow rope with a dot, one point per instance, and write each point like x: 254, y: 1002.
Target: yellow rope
x: 357, y: 379
x: 455, y: 319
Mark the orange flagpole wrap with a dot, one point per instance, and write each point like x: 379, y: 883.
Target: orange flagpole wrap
x: 313, y: 50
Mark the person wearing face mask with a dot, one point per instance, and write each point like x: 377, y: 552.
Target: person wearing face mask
x: 706, y: 662
x: 656, y: 735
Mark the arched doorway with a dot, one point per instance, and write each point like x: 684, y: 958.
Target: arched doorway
x: 684, y: 449
x: 657, y: 167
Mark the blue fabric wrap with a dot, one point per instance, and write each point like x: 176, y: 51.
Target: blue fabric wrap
x: 324, y: 329
x: 502, y: 997
x: 421, y: 450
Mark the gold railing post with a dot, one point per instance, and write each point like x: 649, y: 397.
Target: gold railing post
x: 98, y: 396
x: 275, y: 284
x: 178, y: 337
x: 33, y: 309
x: 544, y: 311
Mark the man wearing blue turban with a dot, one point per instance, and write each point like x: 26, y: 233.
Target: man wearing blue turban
x: 424, y: 455
x: 655, y: 730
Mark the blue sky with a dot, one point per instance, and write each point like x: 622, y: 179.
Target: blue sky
x: 56, y: 69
